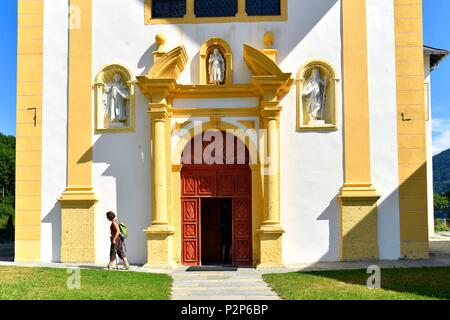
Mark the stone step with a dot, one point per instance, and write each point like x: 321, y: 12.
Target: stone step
x: 200, y: 280
x: 188, y: 290
x: 188, y: 286
x: 224, y: 293
x: 237, y: 285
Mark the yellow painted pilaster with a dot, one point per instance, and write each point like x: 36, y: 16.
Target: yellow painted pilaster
x: 412, y: 152
x: 359, y: 233
x: 160, y: 235
x: 78, y: 200
x: 271, y: 231
x: 29, y: 133
x: 176, y: 206
x: 257, y: 215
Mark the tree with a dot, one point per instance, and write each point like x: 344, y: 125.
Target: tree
x: 447, y: 194
x: 441, y: 204
x: 7, y: 176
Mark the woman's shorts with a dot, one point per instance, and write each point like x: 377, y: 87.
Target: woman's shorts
x: 117, y: 249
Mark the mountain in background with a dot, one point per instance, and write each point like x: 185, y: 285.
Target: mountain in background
x: 441, y: 172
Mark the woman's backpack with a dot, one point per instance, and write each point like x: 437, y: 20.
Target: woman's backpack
x: 123, y: 231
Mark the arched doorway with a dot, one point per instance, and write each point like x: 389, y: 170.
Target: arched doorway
x: 216, y: 201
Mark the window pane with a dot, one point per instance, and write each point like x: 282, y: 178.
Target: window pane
x: 215, y: 8
x: 263, y: 7
x: 168, y: 8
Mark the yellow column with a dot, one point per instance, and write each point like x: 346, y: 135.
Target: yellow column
x: 160, y: 234
x: 29, y: 133
x: 359, y: 233
x: 271, y: 205
x: 271, y: 230
x: 78, y: 200
x: 412, y: 148
x: 159, y: 117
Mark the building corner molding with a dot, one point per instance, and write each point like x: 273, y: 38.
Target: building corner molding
x: 358, y: 197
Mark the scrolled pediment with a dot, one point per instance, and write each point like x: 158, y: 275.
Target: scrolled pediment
x: 259, y: 63
x: 170, y: 65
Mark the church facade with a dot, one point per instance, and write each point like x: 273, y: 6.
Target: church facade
x: 253, y: 133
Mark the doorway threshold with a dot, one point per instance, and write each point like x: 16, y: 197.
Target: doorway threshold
x: 212, y: 269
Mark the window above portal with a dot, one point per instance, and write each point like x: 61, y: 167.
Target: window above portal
x: 263, y: 8
x: 215, y: 8
x: 214, y: 11
x: 162, y: 9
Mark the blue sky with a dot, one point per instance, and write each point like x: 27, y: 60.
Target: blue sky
x: 8, y: 36
x: 436, y: 34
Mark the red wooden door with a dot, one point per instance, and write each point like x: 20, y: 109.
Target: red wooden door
x: 191, y: 232
x: 199, y: 181
x: 242, y: 231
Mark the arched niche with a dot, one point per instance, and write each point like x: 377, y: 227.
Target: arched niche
x: 225, y: 50
x: 328, y: 76
x: 105, y: 79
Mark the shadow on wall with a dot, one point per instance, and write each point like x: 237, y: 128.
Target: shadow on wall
x: 331, y: 214
x: 413, y: 224
x: 122, y: 184
x: 146, y: 60
x: 54, y: 218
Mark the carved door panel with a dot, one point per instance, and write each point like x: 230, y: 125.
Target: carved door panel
x: 191, y: 233
x: 225, y: 183
x: 206, y: 182
x: 243, y: 181
x: 242, y: 231
x: 189, y: 185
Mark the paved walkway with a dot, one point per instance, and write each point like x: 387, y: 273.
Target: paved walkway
x: 244, y: 284
x: 440, y: 245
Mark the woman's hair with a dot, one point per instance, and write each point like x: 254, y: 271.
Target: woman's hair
x: 110, y: 215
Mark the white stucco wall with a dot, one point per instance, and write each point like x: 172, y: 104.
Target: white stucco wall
x: 429, y: 137
x: 54, y: 125
x: 121, y: 178
x: 383, y: 123
x: 311, y: 162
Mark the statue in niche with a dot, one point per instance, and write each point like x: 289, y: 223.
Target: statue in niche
x: 314, y: 92
x: 117, y: 97
x: 216, y: 67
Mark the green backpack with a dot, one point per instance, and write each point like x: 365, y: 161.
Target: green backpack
x: 123, y: 230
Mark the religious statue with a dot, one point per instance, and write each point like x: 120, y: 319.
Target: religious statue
x: 116, y: 100
x: 315, y: 93
x: 216, y: 68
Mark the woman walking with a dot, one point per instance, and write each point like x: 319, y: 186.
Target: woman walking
x: 116, y: 242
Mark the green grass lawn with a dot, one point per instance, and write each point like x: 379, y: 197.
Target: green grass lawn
x: 396, y: 284
x: 51, y: 284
